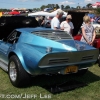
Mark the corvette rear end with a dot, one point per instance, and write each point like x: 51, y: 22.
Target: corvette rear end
x: 27, y: 50
x: 60, y: 51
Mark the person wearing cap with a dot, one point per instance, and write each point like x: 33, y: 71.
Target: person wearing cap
x: 67, y: 25
x: 55, y: 22
x: 88, y: 31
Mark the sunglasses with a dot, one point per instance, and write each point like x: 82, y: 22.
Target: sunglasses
x: 69, y: 19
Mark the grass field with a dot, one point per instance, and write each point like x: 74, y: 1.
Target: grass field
x: 37, y: 89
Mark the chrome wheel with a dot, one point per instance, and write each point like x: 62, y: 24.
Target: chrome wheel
x: 13, y: 71
x: 17, y: 75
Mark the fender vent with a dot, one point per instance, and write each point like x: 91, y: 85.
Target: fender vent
x: 87, y: 58
x: 58, y: 61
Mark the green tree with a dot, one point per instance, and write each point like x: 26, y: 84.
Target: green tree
x: 43, y: 7
x: 62, y: 6
x: 57, y: 6
x: 78, y: 7
x: 98, y: 10
x: 49, y: 6
x: 67, y: 7
x: 88, y: 5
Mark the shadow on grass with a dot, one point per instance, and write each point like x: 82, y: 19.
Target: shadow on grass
x: 59, y: 83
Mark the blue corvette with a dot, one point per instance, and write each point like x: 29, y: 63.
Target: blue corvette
x: 28, y: 50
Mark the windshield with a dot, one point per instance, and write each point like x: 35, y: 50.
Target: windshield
x: 53, y: 35
x: 95, y: 23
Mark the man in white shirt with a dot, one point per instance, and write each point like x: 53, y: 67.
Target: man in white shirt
x: 55, y: 22
x: 67, y: 25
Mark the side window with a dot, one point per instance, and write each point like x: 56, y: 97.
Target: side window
x: 13, y: 38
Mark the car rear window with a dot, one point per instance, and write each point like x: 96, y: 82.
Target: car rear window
x: 53, y: 35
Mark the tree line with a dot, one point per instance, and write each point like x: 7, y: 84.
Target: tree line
x: 53, y: 6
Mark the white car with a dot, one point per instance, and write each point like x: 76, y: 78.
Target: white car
x: 95, y: 25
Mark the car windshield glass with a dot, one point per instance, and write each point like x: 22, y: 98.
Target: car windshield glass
x: 53, y: 35
x: 95, y: 23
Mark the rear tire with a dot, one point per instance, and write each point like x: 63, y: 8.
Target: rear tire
x: 18, y: 76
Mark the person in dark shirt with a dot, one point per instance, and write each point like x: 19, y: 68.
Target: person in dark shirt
x: 41, y: 21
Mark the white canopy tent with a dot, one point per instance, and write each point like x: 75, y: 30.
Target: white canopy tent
x: 43, y: 13
x: 55, y: 12
x: 40, y: 13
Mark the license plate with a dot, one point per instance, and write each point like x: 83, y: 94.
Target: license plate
x: 71, y: 69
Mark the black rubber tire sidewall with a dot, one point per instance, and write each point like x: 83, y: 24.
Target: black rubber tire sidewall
x: 22, y: 76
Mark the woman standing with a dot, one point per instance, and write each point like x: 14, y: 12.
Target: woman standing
x: 88, y: 32
x: 67, y: 25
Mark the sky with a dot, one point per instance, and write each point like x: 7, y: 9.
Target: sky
x: 30, y: 4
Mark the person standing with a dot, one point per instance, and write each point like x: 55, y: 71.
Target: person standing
x: 67, y: 25
x: 41, y: 21
x: 88, y: 31
x: 55, y: 22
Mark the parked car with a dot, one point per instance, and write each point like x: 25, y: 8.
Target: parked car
x: 28, y: 50
x: 95, y: 25
x: 14, y: 12
x: 97, y: 20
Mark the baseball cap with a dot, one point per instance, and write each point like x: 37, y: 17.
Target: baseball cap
x: 60, y: 12
x: 69, y: 17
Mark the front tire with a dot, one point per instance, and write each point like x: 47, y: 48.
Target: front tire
x: 18, y: 76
